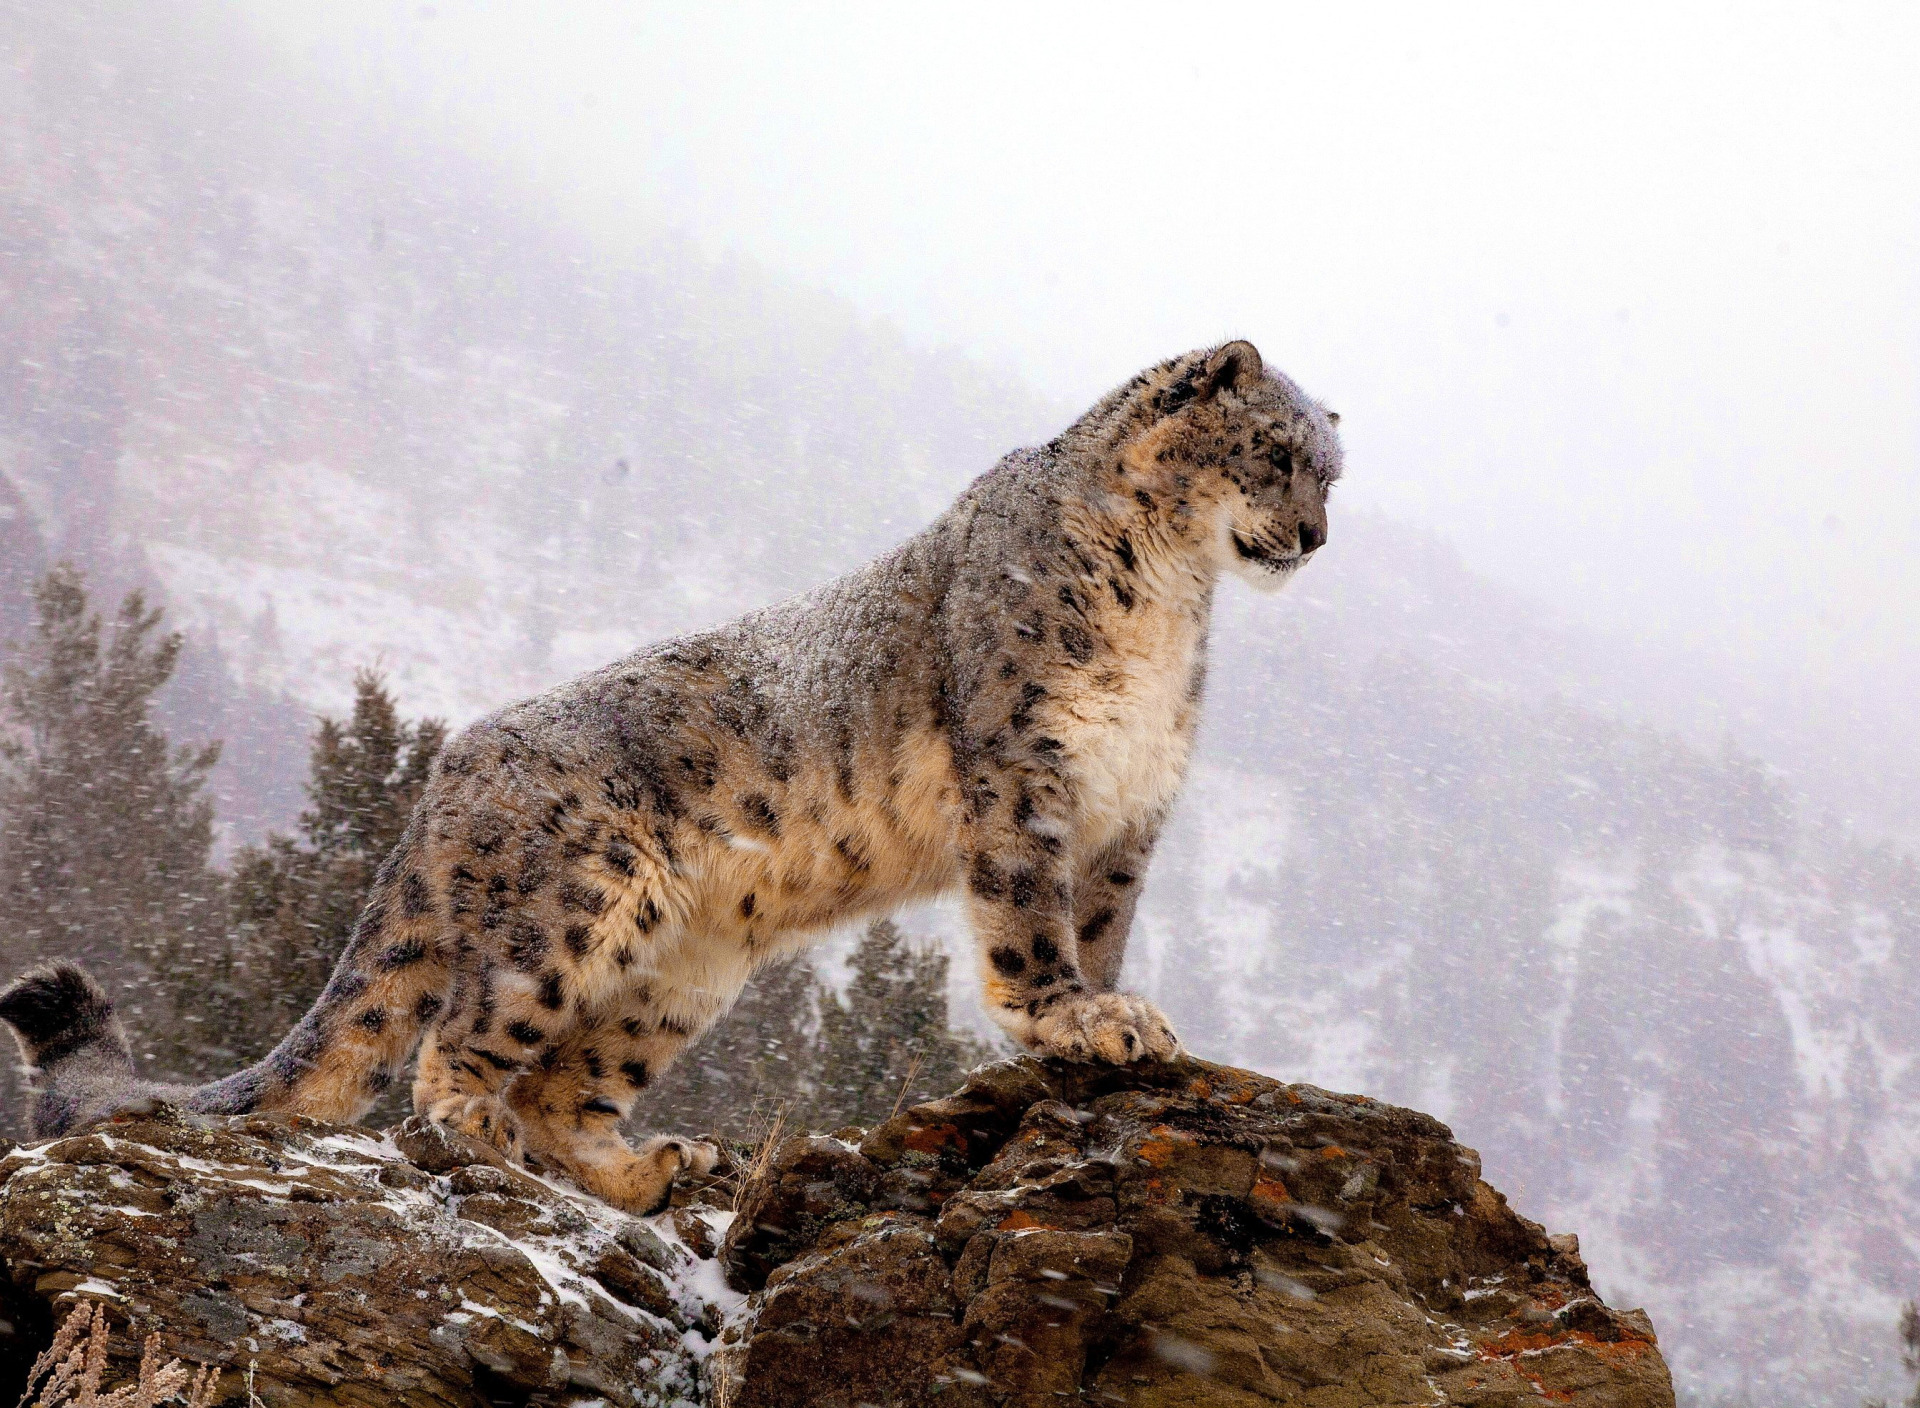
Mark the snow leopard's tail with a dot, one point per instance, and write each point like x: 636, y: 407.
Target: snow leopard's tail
x: 67, y: 1031
x: 389, y: 985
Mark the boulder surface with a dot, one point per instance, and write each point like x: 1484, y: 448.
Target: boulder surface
x: 1157, y: 1235
x: 1164, y: 1234
x: 328, y: 1265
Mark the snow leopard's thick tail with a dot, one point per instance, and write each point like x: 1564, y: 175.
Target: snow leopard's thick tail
x: 390, y: 983
x: 67, y: 1031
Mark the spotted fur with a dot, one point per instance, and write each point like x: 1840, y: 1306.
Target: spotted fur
x: 1002, y: 706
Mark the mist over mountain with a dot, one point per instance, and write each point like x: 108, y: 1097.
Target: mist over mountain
x: 340, y: 397
x: 346, y: 403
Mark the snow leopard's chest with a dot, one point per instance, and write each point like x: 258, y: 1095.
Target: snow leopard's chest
x: 1127, y: 721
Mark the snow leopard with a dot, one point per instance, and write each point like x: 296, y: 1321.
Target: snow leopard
x: 1000, y: 708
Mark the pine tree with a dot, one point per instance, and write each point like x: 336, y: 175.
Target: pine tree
x: 294, y: 899
x: 1909, y: 1357
x: 791, y: 1045
x: 105, y: 830
x: 1910, y: 1348
x: 887, y: 1043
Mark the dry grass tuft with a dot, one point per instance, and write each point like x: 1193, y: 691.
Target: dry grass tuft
x: 763, y: 1148
x: 68, y: 1375
x: 913, y: 1074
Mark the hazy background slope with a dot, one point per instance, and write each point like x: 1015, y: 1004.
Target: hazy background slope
x: 350, y: 401
x: 343, y: 394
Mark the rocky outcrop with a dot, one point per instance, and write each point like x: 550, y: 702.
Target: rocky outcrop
x: 1173, y: 1234
x: 333, y: 1266
x: 1179, y: 1234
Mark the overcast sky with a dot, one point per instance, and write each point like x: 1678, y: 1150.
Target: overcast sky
x: 1622, y: 300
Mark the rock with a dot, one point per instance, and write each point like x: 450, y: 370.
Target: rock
x: 342, y: 1267
x: 1156, y: 1235
x: 816, y: 1182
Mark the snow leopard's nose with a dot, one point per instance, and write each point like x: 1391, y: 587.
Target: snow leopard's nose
x: 1311, y: 536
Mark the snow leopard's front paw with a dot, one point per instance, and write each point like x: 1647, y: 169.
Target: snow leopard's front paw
x: 1114, y: 1027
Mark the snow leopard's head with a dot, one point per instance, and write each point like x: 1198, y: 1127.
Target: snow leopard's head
x: 1271, y: 454
x: 1230, y: 458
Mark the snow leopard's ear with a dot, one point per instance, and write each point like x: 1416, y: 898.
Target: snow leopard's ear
x: 1202, y: 377
x: 1235, y: 365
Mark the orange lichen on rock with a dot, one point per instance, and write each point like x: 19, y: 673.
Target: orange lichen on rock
x: 1161, y: 1145
x: 930, y: 1138
x: 1268, y: 1196
x: 1515, y: 1343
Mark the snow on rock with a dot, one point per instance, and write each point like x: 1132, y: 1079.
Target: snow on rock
x: 406, y: 1268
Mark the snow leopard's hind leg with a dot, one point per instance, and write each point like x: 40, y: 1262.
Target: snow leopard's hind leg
x: 464, y: 1090
x: 571, y: 1105
x: 564, y: 917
